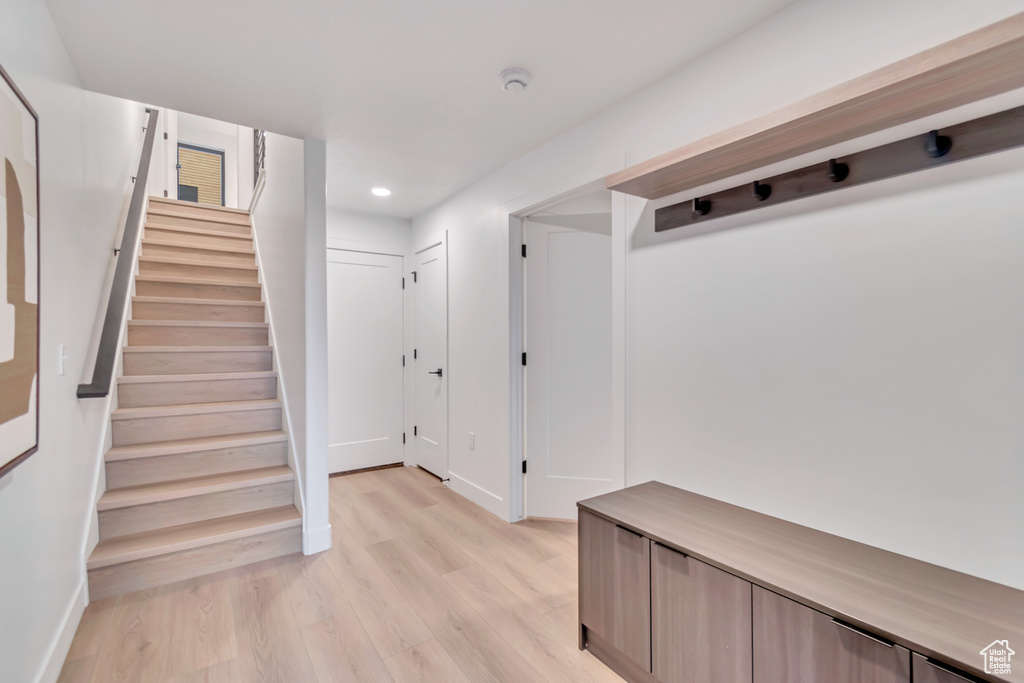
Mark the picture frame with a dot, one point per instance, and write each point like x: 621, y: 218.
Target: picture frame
x: 19, y: 276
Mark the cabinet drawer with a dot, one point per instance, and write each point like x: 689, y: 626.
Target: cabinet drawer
x: 929, y: 672
x: 700, y: 621
x: 796, y: 644
x: 615, y: 587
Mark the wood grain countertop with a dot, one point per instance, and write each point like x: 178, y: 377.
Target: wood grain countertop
x: 937, y: 612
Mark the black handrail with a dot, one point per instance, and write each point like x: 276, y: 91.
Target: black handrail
x: 110, y: 338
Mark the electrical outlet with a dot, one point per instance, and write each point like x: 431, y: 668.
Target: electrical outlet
x: 60, y: 359
x: 472, y: 441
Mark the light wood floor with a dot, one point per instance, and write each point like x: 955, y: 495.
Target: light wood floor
x: 421, y: 585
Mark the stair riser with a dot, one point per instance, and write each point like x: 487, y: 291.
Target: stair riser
x: 148, y: 310
x: 160, y: 335
x: 200, y: 223
x: 183, y: 290
x: 133, y: 520
x: 156, y: 571
x: 177, y: 393
x: 198, y: 240
x: 215, y: 257
x: 142, y: 471
x: 151, y: 429
x: 171, y: 363
x: 195, y: 209
x: 197, y: 272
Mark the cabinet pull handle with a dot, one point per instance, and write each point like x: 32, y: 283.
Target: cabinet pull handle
x: 949, y: 670
x: 673, y: 550
x: 629, y: 531
x: 862, y: 632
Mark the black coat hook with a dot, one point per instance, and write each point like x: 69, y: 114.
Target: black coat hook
x: 762, y: 192
x: 937, y: 145
x: 837, y: 172
x: 701, y: 207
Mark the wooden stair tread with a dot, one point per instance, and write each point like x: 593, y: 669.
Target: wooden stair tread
x: 158, y: 242
x: 197, y: 377
x: 195, y: 205
x: 194, y: 281
x: 191, y: 262
x: 194, y: 349
x: 195, y: 323
x: 192, y: 445
x: 193, y: 409
x: 169, y: 212
x: 200, y: 232
x: 192, y: 302
x: 216, y: 213
x: 186, y: 536
x: 186, y: 488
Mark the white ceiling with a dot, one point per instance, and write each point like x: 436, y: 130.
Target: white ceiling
x: 405, y: 92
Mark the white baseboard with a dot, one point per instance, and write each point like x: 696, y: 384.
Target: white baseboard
x: 494, y: 504
x: 50, y: 670
x: 316, y: 540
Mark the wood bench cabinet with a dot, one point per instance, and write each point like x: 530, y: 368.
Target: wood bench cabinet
x: 679, y: 588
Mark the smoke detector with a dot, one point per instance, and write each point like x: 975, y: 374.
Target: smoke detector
x: 515, y: 80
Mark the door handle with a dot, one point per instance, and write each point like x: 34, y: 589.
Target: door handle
x: 436, y: 372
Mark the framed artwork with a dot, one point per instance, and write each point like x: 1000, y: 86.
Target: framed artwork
x: 19, y: 277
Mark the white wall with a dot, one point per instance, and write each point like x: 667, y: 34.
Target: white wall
x: 358, y: 231
x: 89, y: 151
x: 849, y: 362
x: 289, y: 226
x: 315, y: 523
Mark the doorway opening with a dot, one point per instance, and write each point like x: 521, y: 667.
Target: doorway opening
x: 200, y: 174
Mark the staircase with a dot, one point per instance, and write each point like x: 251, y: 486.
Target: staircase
x: 197, y: 478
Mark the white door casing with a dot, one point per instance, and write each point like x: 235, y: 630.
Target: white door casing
x: 568, y: 379
x: 430, y: 366
x: 365, y: 375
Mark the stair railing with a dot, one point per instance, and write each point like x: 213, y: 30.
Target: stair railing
x: 110, y: 337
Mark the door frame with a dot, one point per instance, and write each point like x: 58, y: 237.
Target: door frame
x: 625, y: 210
x: 412, y: 301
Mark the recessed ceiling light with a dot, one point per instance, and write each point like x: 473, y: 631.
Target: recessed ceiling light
x: 380, y: 191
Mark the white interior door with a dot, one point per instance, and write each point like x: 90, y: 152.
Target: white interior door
x: 431, y: 363
x: 364, y: 337
x: 568, y: 381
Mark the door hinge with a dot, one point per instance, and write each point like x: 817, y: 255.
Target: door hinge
x: 524, y: 358
x: 403, y: 283
x: 414, y: 279
x: 524, y: 251
x: 403, y: 360
x: 403, y: 438
x: 415, y: 430
x: 524, y: 467
x: 414, y: 354
x: 165, y: 136
x: 165, y: 193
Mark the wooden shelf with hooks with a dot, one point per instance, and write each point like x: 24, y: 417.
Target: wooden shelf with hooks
x: 981, y: 64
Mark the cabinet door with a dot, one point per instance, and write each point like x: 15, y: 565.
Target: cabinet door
x: 615, y: 587
x: 926, y: 671
x: 700, y: 621
x: 796, y: 644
